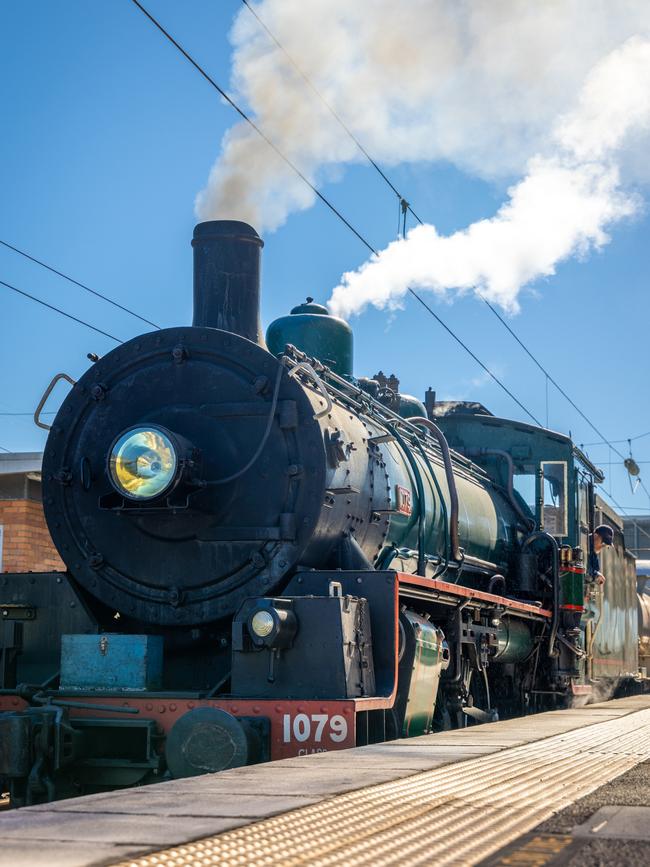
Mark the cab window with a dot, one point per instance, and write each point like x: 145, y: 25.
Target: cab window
x: 524, y: 485
x: 554, y: 500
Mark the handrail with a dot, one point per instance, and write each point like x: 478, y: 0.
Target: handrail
x: 456, y: 553
x: 543, y: 536
x: 46, y: 394
x: 410, y: 457
x: 442, y: 569
x: 305, y: 367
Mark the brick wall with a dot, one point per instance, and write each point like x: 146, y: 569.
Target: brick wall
x: 27, y: 546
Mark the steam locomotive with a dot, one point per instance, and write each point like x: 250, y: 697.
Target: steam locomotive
x: 268, y: 556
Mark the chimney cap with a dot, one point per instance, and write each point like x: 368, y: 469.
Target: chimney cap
x: 212, y: 229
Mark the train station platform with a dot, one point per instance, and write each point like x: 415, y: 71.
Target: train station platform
x: 536, y: 790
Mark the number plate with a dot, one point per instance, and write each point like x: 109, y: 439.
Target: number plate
x: 304, y: 731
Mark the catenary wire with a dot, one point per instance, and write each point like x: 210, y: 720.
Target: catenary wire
x: 58, y: 310
x: 614, y: 500
x: 348, y: 224
x: 17, y: 456
x: 645, y: 490
x: 77, y: 283
x: 617, y: 465
x: 626, y: 440
x: 320, y: 195
x: 252, y: 123
x: 405, y: 205
x: 639, y: 529
x: 548, y: 375
x: 623, y: 510
x: 476, y: 359
x: 337, y: 117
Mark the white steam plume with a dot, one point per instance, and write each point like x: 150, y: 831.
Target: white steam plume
x: 562, y: 206
x: 478, y: 83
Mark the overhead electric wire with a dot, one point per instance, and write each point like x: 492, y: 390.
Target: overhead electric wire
x: 356, y: 141
x: 548, y: 375
x: 624, y: 511
x: 58, y: 310
x: 77, y: 283
x: 252, y: 123
x: 404, y: 203
x: 331, y: 110
x: 626, y: 440
x: 476, y: 359
x: 620, y: 466
x: 615, y: 501
x: 639, y: 529
x: 642, y: 483
x: 30, y: 414
x: 637, y: 437
x: 320, y: 195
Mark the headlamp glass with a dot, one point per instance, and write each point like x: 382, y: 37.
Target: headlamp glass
x: 262, y: 623
x: 142, y: 463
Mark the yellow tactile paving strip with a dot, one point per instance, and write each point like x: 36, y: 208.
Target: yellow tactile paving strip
x: 455, y: 814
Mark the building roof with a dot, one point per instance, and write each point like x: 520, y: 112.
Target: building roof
x: 20, y: 463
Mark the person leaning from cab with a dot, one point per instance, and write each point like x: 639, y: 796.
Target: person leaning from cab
x: 602, y: 535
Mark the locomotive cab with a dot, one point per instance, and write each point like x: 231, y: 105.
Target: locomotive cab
x: 554, y: 482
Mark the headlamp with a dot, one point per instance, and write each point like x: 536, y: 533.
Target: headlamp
x: 262, y: 624
x: 143, y: 463
x: 272, y: 624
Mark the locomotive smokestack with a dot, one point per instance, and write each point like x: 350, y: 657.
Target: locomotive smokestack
x: 227, y: 278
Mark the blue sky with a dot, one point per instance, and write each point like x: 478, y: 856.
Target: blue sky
x: 107, y: 136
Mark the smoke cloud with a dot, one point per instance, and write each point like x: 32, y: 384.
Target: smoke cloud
x: 562, y: 206
x: 556, y: 93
